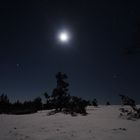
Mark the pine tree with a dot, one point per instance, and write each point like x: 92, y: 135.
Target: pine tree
x: 60, y: 94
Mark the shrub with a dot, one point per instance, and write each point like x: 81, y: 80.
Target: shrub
x: 108, y: 103
x: 130, y: 113
x: 95, y: 102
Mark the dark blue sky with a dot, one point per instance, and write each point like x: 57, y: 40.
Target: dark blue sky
x: 94, y: 60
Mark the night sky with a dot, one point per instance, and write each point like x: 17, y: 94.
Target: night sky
x: 95, y: 59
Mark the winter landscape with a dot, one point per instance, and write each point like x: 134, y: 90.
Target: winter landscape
x: 101, y: 123
x: 69, y: 70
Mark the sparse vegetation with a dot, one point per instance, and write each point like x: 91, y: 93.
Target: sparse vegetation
x: 60, y: 100
x: 108, y: 103
x: 95, y: 102
x: 130, y: 113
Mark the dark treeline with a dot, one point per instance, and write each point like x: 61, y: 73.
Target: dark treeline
x: 60, y: 100
x: 18, y: 107
x: 75, y: 104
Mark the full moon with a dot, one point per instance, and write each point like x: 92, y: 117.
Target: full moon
x: 64, y: 36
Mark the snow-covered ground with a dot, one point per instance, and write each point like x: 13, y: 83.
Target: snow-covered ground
x: 102, y: 123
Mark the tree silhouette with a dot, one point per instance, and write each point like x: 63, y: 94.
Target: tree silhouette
x: 60, y: 94
x: 48, y: 103
x: 95, y: 102
x: 37, y: 103
x: 46, y: 95
x: 4, y: 104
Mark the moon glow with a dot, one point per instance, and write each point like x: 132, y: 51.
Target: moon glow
x: 64, y: 37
